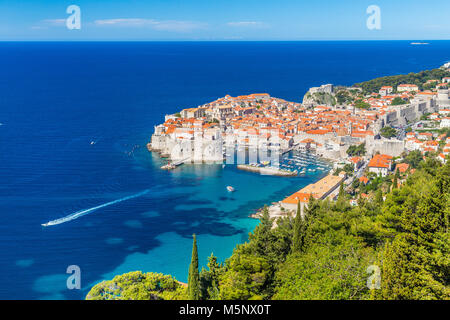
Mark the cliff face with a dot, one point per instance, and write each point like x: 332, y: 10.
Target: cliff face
x: 319, y: 98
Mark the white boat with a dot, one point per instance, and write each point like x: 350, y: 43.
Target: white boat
x: 92, y: 143
x: 230, y: 188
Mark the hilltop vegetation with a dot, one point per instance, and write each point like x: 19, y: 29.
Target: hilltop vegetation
x: 319, y: 98
x: 419, y: 79
x: 401, y: 232
x: 346, y: 95
x: 139, y: 286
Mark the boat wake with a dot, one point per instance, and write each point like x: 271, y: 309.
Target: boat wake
x: 83, y: 212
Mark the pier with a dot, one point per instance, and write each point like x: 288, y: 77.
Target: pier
x: 173, y: 165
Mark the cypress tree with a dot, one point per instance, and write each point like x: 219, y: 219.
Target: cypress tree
x: 341, y: 195
x: 311, y: 209
x: 297, y: 239
x: 300, y: 230
x: 193, y: 277
x: 341, y: 201
x: 379, y: 197
x: 395, y: 182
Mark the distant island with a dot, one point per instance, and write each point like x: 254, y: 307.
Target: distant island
x: 376, y: 227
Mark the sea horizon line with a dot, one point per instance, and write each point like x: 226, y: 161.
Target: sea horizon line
x: 225, y: 40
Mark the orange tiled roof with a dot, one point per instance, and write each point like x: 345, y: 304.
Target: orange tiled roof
x: 380, y: 161
x: 364, y: 179
x: 402, y: 167
x: 317, y: 131
x: 298, y: 197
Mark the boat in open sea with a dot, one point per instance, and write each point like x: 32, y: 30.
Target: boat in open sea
x: 230, y: 188
x: 84, y: 212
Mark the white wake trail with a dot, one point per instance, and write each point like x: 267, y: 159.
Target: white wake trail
x: 81, y: 213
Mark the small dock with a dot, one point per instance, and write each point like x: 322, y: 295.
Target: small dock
x: 173, y: 165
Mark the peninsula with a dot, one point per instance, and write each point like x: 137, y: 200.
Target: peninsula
x: 359, y: 128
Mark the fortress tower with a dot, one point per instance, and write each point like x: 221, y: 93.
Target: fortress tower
x: 443, y: 98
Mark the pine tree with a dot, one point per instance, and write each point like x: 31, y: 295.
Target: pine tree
x: 193, y: 277
x: 266, y: 221
x: 262, y: 238
x: 414, y: 266
x: 209, y: 279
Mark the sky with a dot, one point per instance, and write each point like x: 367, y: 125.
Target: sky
x: 224, y: 20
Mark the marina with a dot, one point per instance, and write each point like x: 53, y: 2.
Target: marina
x: 291, y: 163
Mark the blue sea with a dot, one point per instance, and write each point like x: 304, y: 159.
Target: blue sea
x: 58, y: 97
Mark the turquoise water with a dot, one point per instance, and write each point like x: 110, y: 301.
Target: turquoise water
x: 226, y: 223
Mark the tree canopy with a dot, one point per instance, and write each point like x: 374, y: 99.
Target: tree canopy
x: 398, y: 101
x: 419, y: 79
x: 139, y: 286
x: 388, y: 132
x: 357, y: 150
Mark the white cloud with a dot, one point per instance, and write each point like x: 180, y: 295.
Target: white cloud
x: 49, y: 23
x: 54, y: 22
x: 124, y: 22
x: 38, y: 27
x: 167, y: 25
x: 251, y: 24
